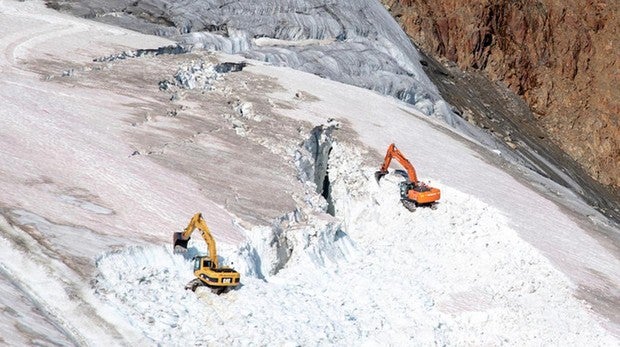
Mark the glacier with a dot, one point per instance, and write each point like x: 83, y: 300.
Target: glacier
x: 354, y: 42
x: 357, y: 43
x: 101, y: 165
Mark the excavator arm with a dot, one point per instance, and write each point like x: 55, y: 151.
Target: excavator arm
x: 394, y: 153
x: 180, y: 240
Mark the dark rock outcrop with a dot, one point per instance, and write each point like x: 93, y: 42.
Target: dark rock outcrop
x: 561, y: 57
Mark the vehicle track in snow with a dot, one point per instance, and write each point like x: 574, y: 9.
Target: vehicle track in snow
x: 14, y: 45
x: 51, y: 316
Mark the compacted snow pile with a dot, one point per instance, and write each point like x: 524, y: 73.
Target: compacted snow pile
x: 454, y: 275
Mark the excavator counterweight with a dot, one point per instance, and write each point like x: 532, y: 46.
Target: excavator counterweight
x: 413, y: 193
x: 206, y: 268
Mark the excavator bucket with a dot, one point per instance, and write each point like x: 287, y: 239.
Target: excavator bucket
x: 179, y: 245
x: 379, y: 175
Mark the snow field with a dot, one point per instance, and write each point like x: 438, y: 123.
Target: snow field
x: 375, y: 274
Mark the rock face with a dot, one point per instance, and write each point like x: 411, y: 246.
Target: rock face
x: 561, y: 57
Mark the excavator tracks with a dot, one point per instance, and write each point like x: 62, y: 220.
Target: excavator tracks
x: 409, y: 204
x: 412, y: 205
x: 195, y: 283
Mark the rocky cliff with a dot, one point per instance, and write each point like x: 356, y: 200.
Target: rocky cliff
x: 561, y: 57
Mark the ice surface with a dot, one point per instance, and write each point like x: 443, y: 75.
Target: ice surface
x: 355, y: 42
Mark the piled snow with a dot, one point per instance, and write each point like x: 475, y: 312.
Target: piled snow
x: 485, y: 284
x: 455, y: 275
x: 200, y: 74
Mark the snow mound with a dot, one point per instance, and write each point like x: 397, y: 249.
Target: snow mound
x: 374, y: 273
x: 482, y: 283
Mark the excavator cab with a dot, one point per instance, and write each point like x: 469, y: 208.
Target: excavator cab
x: 404, y: 187
x: 202, y: 262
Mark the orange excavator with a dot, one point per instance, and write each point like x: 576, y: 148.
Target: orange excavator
x: 206, y: 268
x: 413, y: 193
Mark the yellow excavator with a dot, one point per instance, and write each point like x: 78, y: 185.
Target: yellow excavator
x: 206, y: 268
x: 413, y: 193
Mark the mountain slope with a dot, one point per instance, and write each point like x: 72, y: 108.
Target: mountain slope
x: 557, y: 55
x: 101, y: 163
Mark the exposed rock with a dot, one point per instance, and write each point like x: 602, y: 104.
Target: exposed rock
x: 560, y: 56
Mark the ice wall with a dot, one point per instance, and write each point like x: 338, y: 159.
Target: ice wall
x: 355, y: 42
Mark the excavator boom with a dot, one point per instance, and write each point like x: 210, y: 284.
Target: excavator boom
x: 181, y: 239
x: 393, y: 152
